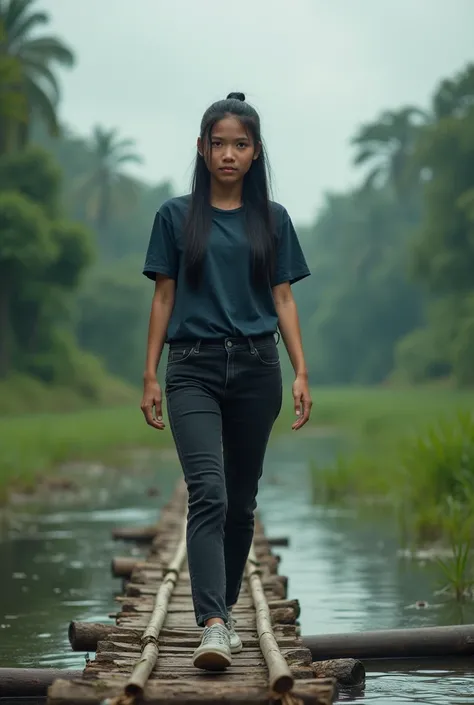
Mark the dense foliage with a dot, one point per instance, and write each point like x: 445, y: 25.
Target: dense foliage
x: 392, y: 291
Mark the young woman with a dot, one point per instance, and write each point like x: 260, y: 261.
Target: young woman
x: 223, y: 260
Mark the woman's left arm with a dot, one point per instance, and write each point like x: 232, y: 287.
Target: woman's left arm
x: 288, y: 323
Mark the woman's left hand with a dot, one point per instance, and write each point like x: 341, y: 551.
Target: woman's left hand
x: 303, y: 403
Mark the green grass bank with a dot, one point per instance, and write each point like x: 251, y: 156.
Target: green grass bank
x: 411, y: 450
x: 381, y: 454
x: 34, y: 444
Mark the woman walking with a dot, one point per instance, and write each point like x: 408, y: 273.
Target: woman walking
x: 223, y: 260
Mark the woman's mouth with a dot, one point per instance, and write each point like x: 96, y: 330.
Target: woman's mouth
x: 227, y: 169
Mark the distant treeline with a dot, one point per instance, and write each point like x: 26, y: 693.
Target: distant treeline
x: 392, y: 291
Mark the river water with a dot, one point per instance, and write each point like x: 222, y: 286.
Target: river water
x: 345, y: 569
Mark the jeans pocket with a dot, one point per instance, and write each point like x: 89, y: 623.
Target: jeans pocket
x: 179, y: 354
x: 267, y: 355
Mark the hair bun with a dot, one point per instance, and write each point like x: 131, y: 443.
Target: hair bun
x: 236, y: 96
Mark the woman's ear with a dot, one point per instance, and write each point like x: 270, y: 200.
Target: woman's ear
x: 258, y: 151
x: 199, y: 146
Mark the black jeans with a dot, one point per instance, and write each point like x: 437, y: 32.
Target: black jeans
x: 222, y: 397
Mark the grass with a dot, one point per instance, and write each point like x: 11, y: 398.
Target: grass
x: 375, y: 423
x: 21, y: 393
x: 412, y: 449
x: 35, y: 444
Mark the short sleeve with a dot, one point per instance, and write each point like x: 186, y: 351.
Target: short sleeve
x: 162, y: 256
x: 291, y: 264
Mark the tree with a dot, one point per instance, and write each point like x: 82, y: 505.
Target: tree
x: 113, y: 310
x: 13, y: 107
x: 26, y: 248
x: 37, y: 56
x: 455, y: 96
x: 34, y: 173
x: 105, y: 190
x: 42, y: 258
x: 360, y: 302
x: 443, y: 247
x: 388, y: 143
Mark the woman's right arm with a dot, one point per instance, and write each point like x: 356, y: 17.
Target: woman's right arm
x: 161, y: 309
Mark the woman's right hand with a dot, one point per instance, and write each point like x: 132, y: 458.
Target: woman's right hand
x: 151, y: 404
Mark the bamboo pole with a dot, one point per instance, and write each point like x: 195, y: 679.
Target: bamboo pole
x: 279, y: 674
x: 136, y: 683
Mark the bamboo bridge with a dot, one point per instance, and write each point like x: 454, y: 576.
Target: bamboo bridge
x: 145, y: 657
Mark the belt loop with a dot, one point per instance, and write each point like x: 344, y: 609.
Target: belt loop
x: 278, y: 337
x: 251, y: 346
x: 197, y: 346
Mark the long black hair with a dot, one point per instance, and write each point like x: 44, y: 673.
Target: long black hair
x: 255, y: 196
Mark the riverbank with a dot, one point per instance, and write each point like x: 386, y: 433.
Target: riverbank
x: 374, y: 423
x: 411, y: 451
x: 35, y: 444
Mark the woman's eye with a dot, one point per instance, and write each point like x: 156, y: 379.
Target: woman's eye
x: 242, y: 145
x: 216, y: 143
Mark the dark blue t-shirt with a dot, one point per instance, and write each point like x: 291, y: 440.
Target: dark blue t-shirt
x: 227, y: 303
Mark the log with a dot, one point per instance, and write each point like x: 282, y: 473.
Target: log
x: 276, y: 584
x: 83, y: 636
x: 140, y: 534
x: 279, y: 541
x: 393, y: 643
x: 123, y: 566
x: 310, y: 692
x: 346, y: 671
x: 31, y: 682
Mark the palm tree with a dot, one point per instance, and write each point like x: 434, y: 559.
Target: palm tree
x: 389, y: 142
x: 105, y: 189
x: 36, y: 55
x: 13, y: 108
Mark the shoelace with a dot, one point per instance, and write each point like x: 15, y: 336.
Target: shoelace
x: 231, y: 622
x: 216, y: 633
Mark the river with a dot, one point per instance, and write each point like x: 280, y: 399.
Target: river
x: 345, y: 570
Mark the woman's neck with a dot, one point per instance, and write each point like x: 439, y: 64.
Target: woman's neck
x: 226, y: 197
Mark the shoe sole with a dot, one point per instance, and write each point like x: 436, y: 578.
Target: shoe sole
x: 212, y: 660
x: 236, y: 649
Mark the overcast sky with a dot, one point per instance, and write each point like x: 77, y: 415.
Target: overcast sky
x: 315, y: 69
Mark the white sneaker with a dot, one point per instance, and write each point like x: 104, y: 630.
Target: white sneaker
x: 214, y: 653
x: 235, y: 640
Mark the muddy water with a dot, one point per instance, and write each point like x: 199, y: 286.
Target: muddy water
x: 344, y: 569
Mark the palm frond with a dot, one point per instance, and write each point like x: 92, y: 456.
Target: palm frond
x: 39, y: 100
x: 129, y: 158
x: 374, y: 175
x: 35, y: 70
x: 48, y: 49
x: 13, y: 10
x: 364, y: 155
x: 20, y: 29
x: 124, y: 144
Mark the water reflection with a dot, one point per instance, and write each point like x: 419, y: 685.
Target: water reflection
x: 56, y: 565
x: 343, y: 567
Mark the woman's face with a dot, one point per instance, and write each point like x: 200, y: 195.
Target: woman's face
x: 231, y: 152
